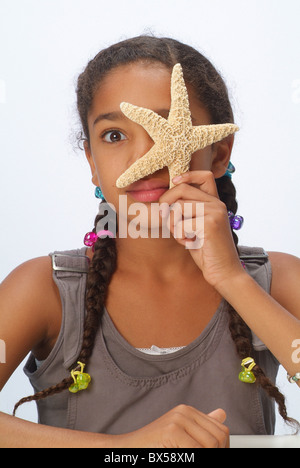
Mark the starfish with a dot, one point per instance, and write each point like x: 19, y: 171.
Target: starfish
x: 175, y: 139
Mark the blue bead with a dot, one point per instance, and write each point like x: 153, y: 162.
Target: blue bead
x: 99, y: 194
x: 230, y: 170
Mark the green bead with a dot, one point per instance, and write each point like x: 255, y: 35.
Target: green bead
x: 247, y: 377
x: 74, y: 388
x: 83, y: 381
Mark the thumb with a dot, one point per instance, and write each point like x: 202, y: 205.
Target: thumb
x: 219, y: 415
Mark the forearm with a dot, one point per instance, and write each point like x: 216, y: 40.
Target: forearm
x: 272, y: 323
x: 182, y: 427
x: 17, y: 433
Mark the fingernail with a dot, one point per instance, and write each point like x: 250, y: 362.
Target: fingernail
x: 177, y: 179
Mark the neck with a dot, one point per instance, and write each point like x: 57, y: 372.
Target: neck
x: 163, y: 258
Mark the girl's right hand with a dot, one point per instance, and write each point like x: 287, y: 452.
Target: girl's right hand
x: 182, y: 427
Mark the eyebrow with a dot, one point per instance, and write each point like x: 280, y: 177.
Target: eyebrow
x: 118, y: 115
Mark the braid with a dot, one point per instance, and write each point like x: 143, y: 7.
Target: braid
x: 99, y: 276
x: 240, y: 332
x: 100, y: 273
x: 242, y: 338
x: 63, y: 385
x: 227, y: 194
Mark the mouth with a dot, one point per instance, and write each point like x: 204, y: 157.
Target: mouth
x: 147, y: 190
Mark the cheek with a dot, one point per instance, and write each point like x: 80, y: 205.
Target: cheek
x: 108, y: 171
x: 202, y: 160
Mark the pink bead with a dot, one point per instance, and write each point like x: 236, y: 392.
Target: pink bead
x: 90, y: 239
x: 105, y: 233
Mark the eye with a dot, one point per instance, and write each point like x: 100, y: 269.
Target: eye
x: 113, y: 136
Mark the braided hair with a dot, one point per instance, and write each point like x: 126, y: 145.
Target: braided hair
x: 99, y: 276
x: 240, y: 332
x: 211, y: 91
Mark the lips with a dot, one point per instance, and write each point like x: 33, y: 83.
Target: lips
x: 148, y: 190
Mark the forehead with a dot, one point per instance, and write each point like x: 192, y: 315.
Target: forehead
x: 140, y: 84
x: 144, y: 85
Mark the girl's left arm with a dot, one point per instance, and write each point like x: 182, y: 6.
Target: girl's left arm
x: 274, y: 317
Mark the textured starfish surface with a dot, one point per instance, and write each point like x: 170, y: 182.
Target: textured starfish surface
x: 175, y: 139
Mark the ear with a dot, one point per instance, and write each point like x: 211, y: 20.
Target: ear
x: 221, y: 156
x: 90, y: 159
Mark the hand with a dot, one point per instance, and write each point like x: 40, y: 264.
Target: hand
x: 182, y: 427
x: 206, y: 233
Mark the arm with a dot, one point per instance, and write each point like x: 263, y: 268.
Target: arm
x: 183, y: 427
x: 30, y: 319
x: 29, y: 314
x: 17, y: 433
x: 275, y: 319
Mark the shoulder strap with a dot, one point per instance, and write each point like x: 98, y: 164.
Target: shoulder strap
x: 256, y: 254
x: 71, y: 261
x: 69, y: 274
x: 258, y: 266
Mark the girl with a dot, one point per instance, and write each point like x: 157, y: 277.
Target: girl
x: 108, y: 307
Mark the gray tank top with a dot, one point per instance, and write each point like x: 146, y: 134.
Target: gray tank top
x: 129, y: 388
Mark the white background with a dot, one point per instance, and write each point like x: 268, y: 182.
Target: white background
x: 46, y: 197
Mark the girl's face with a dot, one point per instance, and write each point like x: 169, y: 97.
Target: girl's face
x: 116, y: 142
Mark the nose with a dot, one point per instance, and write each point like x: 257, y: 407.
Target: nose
x: 141, y: 145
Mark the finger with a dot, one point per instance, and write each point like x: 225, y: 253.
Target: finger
x: 185, y: 192
x: 189, y: 232
x: 186, y: 219
x: 208, y: 427
x: 208, y: 432
x: 205, y: 180
x: 218, y: 415
x: 185, y: 209
x: 186, y: 440
x: 203, y: 437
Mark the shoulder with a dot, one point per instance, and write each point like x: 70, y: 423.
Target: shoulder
x: 285, y: 281
x: 32, y: 279
x: 29, y: 299
x: 284, y: 264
